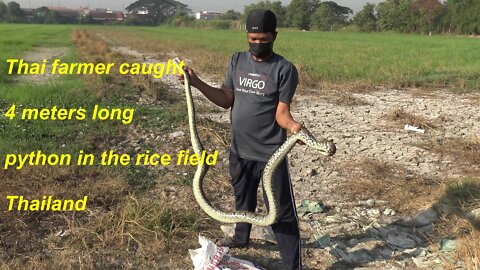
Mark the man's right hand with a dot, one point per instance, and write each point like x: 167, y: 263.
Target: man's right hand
x: 193, y: 77
x: 222, y: 97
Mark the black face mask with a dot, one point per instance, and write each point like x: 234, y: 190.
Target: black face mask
x: 261, y: 50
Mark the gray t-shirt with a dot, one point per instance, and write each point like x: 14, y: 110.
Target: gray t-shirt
x: 258, y: 87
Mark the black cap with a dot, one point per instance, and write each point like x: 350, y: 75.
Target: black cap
x: 261, y: 21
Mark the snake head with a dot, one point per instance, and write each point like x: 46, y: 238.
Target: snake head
x: 327, y: 147
x: 332, y: 148
x: 305, y: 131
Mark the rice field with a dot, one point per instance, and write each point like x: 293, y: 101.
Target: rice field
x: 343, y: 57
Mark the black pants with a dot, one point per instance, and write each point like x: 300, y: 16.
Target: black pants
x: 246, y: 176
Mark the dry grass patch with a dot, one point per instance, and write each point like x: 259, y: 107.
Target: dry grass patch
x: 463, y: 199
x: 469, y: 250
x: 464, y: 150
x: 118, y: 230
x: 220, y: 132
x: 25, y: 231
x: 137, y: 227
x: 392, y: 183
x: 462, y: 220
x: 345, y: 99
x: 89, y: 45
x: 402, y: 117
x: 201, y: 59
x: 91, y: 49
x: 381, y: 170
x: 464, y: 194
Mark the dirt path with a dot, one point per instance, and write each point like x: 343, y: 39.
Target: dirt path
x: 381, y: 190
x: 37, y: 56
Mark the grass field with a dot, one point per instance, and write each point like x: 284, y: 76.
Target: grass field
x: 340, y: 58
x: 65, y: 92
x: 19, y: 38
x: 18, y: 135
x: 322, y: 57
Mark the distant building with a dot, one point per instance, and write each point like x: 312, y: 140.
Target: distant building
x: 104, y: 10
x: 28, y: 13
x: 67, y: 12
x: 107, y: 16
x: 207, y: 15
x: 100, y: 15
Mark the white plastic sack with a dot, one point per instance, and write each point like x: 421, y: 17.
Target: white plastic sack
x: 213, y: 257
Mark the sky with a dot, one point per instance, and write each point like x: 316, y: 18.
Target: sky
x: 195, y: 5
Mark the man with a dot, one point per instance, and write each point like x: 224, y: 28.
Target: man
x: 258, y: 88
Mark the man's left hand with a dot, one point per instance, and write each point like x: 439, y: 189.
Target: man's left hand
x: 295, y: 127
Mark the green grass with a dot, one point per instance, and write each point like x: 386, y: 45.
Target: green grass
x: 344, y: 58
x: 20, y: 135
x: 69, y: 92
x: 334, y: 57
x: 18, y: 38
x: 68, y: 136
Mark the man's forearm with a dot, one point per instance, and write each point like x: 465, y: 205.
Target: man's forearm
x: 216, y: 95
x: 285, y: 120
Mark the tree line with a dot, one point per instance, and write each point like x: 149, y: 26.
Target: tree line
x: 307, y: 14
x: 407, y: 16
x: 421, y: 16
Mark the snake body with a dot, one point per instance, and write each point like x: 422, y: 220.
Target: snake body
x: 325, y: 147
